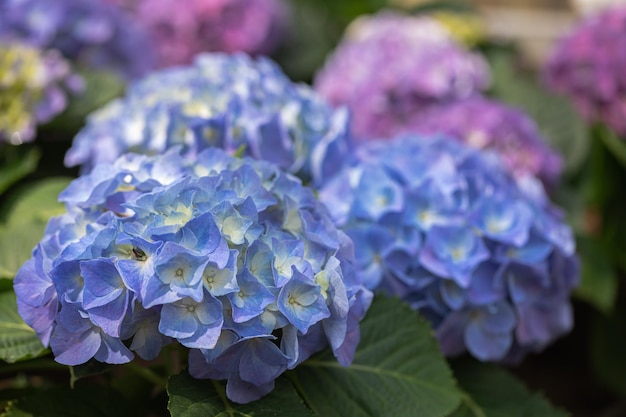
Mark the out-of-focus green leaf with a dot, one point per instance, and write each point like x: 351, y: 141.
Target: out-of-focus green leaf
x: 493, y: 392
x: 190, y: 397
x: 17, y: 165
x: 26, y: 223
x: 562, y: 127
x: 17, y: 340
x: 599, y: 280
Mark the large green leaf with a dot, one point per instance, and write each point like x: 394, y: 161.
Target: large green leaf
x: 26, y: 223
x: 194, y: 398
x: 92, y: 401
x: 17, y: 339
x: 397, y: 371
x: 493, y: 392
x: 599, y: 280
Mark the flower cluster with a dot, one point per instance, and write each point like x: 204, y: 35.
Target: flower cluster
x: 181, y: 30
x: 390, y: 67
x: 93, y: 33
x: 229, y: 257
x: 446, y: 228
x: 488, y: 124
x: 33, y: 88
x: 587, y: 65
x: 229, y: 101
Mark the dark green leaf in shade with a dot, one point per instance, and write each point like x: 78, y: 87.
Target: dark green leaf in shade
x: 598, y: 284
x: 608, y: 344
x: 26, y: 223
x: 191, y: 397
x: 493, y: 392
x: 91, y: 401
x: 398, y: 370
x: 90, y: 368
x: 17, y: 340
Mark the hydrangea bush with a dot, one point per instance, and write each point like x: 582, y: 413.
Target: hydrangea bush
x: 588, y: 66
x: 447, y: 229
x: 229, y: 101
x: 229, y: 257
x: 180, y: 30
x: 94, y: 33
x: 33, y: 89
x: 389, y: 67
x: 489, y: 124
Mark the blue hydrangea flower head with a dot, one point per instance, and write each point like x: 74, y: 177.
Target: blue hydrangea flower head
x: 97, y: 34
x: 447, y: 228
x: 233, y: 102
x: 229, y: 257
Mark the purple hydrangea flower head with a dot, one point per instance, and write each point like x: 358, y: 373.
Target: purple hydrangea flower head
x: 183, y: 29
x: 448, y: 229
x: 33, y: 89
x: 229, y: 257
x: 93, y: 33
x: 229, y: 101
x: 488, y: 124
x: 390, y: 66
x: 587, y: 65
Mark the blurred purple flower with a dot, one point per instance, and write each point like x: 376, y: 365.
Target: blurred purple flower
x: 390, y: 67
x: 488, y: 124
x: 588, y: 66
x: 184, y: 29
x: 94, y: 33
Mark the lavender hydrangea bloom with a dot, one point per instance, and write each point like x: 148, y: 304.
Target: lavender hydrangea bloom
x: 231, y: 102
x: 390, y: 67
x: 94, y: 33
x: 587, y: 65
x: 180, y: 30
x: 488, y: 124
x: 231, y: 258
x: 33, y: 89
x: 446, y: 228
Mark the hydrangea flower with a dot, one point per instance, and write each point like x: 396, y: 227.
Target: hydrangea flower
x: 229, y: 101
x: 390, y: 67
x: 229, y: 257
x: 446, y: 228
x: 180, y: 30
x: 33, y: 87
x: 587, y: 65
x: 93, y: 33
x: 488, y: 124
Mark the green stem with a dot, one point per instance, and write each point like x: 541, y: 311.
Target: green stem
x: 221, y: 392
x: 148, y: 374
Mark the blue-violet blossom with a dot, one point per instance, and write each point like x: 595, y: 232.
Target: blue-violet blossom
x: 446, y: 228
x: 232, y: 102
x: 229, y: 257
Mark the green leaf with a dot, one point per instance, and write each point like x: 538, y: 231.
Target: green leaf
x: 92, y: 401
x: 16, y: 165
x: 493, y: 392
x: 398, y: 370
x: 599, y: 280
x: 562, y: 127
x: 17, y: 340
x: 190, y: 397
x: 26, y: 223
